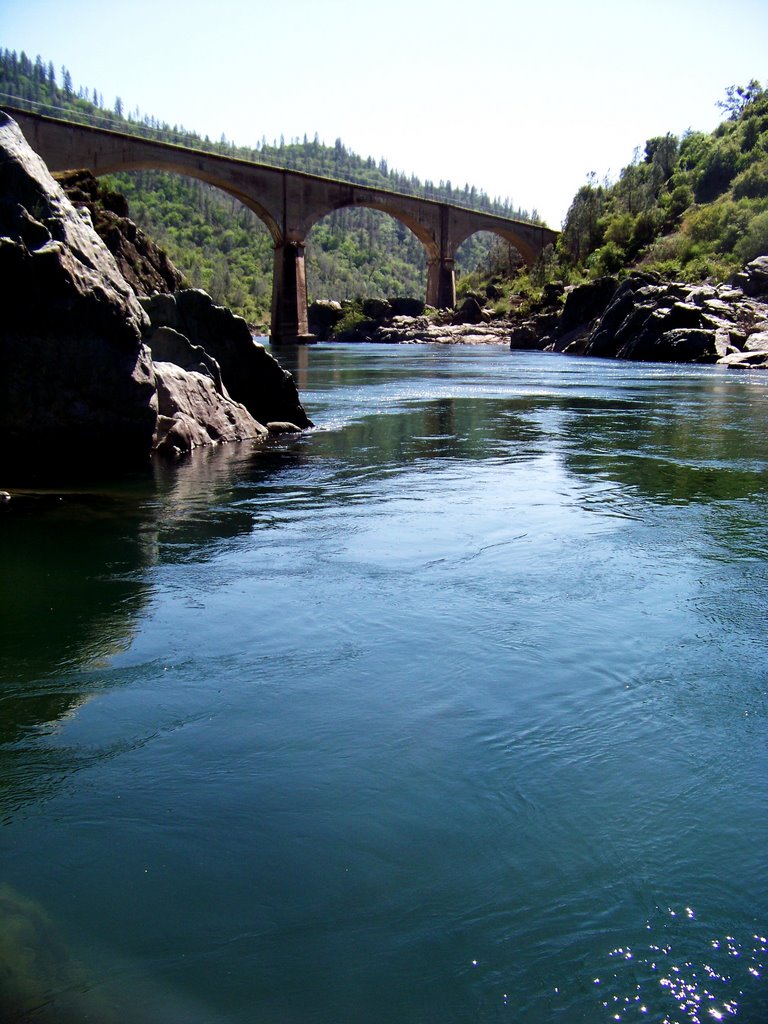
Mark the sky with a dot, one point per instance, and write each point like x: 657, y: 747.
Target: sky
x: 523, y: 101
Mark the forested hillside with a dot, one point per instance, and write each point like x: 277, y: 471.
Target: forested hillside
x: 691, y: 208
x: 219, y: 244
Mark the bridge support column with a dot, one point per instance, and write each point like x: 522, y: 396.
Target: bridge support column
x: 441, y: 284
x: 289, y: 294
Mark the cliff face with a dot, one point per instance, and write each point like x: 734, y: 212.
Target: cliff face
x: 80, y: 384
x: 76, y: 375
x: 144, y: 265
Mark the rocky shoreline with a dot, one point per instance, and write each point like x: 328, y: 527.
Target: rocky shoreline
x: 641, y: 318
x: 644, y: 318
x: 107, y: 359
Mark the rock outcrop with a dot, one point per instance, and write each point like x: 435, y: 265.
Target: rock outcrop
x: 191, y: 411
x: 144, y: 265
x: 77, y: 376
x: 322, y: 317
x: 252, y: 376
x: 88, y: 376
x: 650, y: 320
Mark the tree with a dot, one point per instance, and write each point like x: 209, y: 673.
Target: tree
x: 737, y: 97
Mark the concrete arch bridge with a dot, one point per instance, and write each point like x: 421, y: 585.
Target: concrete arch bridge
x: 288, y: 202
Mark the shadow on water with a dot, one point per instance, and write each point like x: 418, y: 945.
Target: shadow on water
x: 78, y: 570
x: 77, y: 581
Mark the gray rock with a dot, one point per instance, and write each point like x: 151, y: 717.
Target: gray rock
x: 322, y: 317
x: 191, y: 412
x: 404, y: 305
x: 723, y: 344
x: 745, y: 360
x: 757, y: 342
x: 585, y: 302
x: 753, y: 280
x: 682, y: 345
x: 283, y: 427
x: 469, y: 312
x: 168, y: 346
x: 377, y: 309
x: 249, y: 373
x: 77, y: 384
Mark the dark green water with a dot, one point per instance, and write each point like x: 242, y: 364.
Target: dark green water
x: 452, y: 711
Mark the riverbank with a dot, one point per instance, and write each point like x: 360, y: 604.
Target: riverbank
x: 641, y: 318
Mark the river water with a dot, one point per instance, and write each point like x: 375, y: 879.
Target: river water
x: 453, y: 710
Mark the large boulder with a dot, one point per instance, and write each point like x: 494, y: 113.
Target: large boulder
x: 753, y: 280
x: 405, y: 305
x: 322, y: 317
x: 470, y: 312
x: 649, y: 320
x: 585, y: 302
x: 77, y: 381
x: 192, y: 412
x: 250, y: 374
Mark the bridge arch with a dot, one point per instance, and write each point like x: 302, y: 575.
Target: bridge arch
x: 398, y: 263
x: 528, y: 251
x: 420, y: 230
x: 160, y: 162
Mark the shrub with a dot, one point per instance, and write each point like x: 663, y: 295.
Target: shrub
x: 754, y: 242
x: 717, y: 171
x: 608, y: 259
x: 752, y: 183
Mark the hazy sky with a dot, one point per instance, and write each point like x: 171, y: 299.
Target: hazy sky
x: 520, y: 99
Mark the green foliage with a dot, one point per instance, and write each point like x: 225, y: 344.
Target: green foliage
x: 738, y: 98
x: 608, y: 259
x: 716, y: 170
x: 753, y: 182
x: 754, y: 241
x: 584, y: 224
x: 691, y: 208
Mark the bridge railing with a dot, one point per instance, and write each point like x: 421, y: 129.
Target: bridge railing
x: 182, y: 137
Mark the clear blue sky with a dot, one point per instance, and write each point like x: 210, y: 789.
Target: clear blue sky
x: 521, y: 100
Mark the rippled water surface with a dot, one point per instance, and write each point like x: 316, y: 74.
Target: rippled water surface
x: 453, y: 710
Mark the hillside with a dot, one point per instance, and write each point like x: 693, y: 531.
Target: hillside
x: 693, y: 209
x: 220, y: 245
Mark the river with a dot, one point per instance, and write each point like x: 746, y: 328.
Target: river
x: 450, y: 711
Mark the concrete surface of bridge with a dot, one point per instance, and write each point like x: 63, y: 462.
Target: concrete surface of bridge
x: 288, y: 202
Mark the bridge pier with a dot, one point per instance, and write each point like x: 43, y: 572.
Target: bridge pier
x: 441, y: 283
x: 289, y: 294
